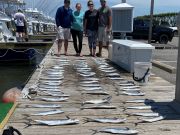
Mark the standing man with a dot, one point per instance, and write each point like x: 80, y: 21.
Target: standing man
x: 20, y: 21
x: 64, y: 20
x: 105, y: 23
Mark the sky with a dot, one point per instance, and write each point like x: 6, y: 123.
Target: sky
x: 141, y: 7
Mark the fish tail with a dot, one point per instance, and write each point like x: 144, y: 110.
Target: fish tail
x: 28, y: 124
x: 94, y: 131
x: 86, y: 120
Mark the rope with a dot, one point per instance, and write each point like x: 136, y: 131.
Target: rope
x: 21, y: 51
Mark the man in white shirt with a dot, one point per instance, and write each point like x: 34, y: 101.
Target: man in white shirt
x: 20, y: 21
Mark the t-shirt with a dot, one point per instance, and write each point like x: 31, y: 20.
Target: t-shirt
x: 19, y: 19
x: 77, y: 20
x: 92, y: 19
x: 104, y: 14
x: 64, y: 17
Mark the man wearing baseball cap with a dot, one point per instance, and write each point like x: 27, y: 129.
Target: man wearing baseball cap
x: 64, y: 19
x: 105, y: 22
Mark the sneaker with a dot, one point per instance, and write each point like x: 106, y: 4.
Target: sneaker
x: 98, y: 55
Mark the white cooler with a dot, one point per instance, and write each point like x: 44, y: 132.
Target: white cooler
x: 126, y: 52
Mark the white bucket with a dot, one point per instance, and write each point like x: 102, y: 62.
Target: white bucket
x: 142, y: 71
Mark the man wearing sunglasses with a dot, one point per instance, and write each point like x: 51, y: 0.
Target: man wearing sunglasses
x: 64, y: 19
x: 105, y: 22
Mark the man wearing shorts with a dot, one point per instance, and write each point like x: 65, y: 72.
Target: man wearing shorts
x: 105, y: 22
x: 20, y: 21
x: 64, y: 21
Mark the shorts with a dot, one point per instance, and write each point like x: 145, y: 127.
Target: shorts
x: 20, y: 29
x: 92, y: 38
x: 103, y: 35
x: 63, y: 33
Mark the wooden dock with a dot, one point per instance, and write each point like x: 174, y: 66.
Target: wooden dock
x: 159, y: 90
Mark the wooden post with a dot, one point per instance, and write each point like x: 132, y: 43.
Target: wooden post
x: 177, y: 94
x: 151, y: 21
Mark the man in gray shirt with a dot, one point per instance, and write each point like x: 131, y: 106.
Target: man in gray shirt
x: 105, y: 23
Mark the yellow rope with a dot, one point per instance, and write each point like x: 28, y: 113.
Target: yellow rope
x: 4, y: 122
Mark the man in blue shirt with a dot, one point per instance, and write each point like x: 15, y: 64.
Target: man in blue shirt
x: 64, y: 21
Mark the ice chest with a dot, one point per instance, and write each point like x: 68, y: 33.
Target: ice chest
x: 126, y: 52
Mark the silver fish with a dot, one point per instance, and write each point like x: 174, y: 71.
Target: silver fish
x: 44, y: 106
x: 47, y: 113
x: 58, y: 122
x: 98, y: 101
x: 64, y: 60
x: 109, y: 71
x: 48, y: 86
x: 150, y: 120
x: 50, y: 81
x: 145, y: 107
x: 56, y: 94
x: 57, y: 67
x: 84, y: 68
x: 131, y: 90
x: 144, y: 114
x: 54, y: 99
x: 88, y: 82
x: 48, y: 89
x: 126, y: 84
x: 92, y: 88
x: 139, y: 101
x: 54, y: 73
x: 133, y: 93
x: 116, y: 78
x: 51, y: 78
x: 91, y: 79
x: 90, y: 85
x: 106, y: 68
x: 99, y: 107
x: 113, y: 75
x: 114, y: 130
x: 88, y: 75
x: 130, y: 87
x: 105, y: 120
x: 96, y: 93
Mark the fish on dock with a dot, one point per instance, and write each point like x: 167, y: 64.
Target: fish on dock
x: 56, y: 94
x: 105, y: 120
x: 145, y: 107
x: 116, y: 78
x: 92, y: 88
x: 45, y: 113
x: 99, y: 107
x: 98, y: 101
x: 53, y: 99
x: 90, y: 79
x: 115, y: 130
x: 49, y: 89
x: 96, y: 93
x: 44, y: 106
x: 144, y: 114
x: 146, y: 101
x: 151, y: 120
x: 88, y: 82
x: 135, y: 93
x: 90, y: 85
x: 59, y: 122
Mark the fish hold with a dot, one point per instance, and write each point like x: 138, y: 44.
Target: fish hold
x: 105, y: 120
x: 123, y: 131
x: 98, y: 101
x: 48, y: 113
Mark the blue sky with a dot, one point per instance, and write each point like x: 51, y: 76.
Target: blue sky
x: 142, y: 7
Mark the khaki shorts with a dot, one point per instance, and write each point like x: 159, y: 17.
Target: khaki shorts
x: 63, y: 33
x: 103, y: 35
